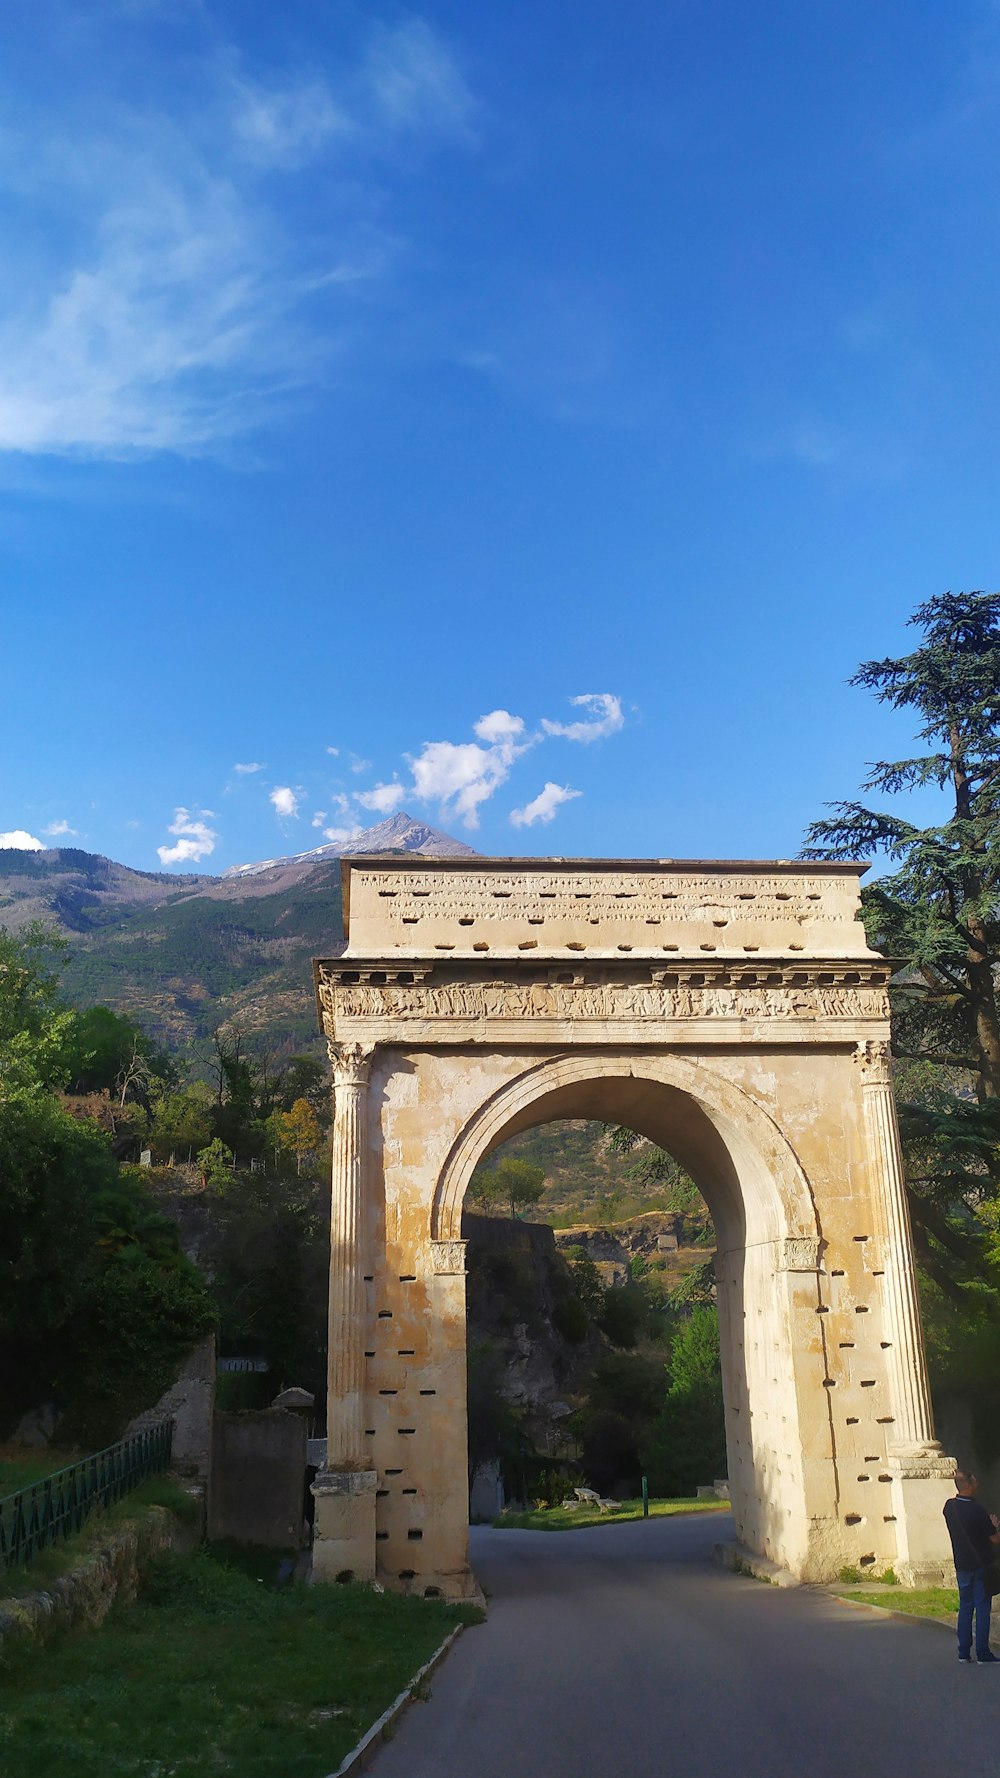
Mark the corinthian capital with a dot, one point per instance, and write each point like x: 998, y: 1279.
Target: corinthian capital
x: 873, y: 1057
x: 350, y: 1063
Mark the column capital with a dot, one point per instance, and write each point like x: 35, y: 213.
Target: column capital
x: 874, y: 1059
x: 350, y: 1063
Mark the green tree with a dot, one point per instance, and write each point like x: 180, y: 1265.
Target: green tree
x: 510, y: 1183
x: 33, y: 1021
x: 97, y: 1302
x: 268, y: 1250
x: 938, y: 912
x: 685, y: 1446
x: 216, y: 1164
x: 181, y: 1122
x: 102, y: 1050
x: 302, y: 1077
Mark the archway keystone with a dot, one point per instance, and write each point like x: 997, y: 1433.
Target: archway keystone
x: 733, y: 1013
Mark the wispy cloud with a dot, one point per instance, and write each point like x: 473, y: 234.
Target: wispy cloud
x: 416, y: 83
x: 544, y: 805
x: 605, y: 718
x: 246, y: 771
x: 287, y: 126
x: 383, y: 799
x: 285, y: 802
x: 57, y: 828
x: 17, y: 840
x: 158, y: 296
x: 195, y: 840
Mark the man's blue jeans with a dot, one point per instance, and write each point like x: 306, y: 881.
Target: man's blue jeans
x: 973, y: 1597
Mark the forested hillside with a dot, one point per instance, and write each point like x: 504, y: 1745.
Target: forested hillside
x: 182, y: 955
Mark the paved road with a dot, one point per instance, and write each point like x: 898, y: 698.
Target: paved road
x: 625, y: 1652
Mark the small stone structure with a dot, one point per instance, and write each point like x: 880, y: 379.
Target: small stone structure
x: 732, y: 1013
x: 259, y: 1478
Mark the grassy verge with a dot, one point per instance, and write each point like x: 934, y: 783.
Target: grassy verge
x: 212, y: 1670
x: 50, y: 1564
x: 20, y: 1466
x: 561, y: 1518
x: 927, y: 1602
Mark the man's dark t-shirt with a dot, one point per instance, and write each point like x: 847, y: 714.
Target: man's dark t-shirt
x: 971, y: 1529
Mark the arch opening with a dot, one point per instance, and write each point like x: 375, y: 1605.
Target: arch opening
x: 756, y: 1196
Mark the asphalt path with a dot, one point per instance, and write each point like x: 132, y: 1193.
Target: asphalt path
x: 626, y: 1652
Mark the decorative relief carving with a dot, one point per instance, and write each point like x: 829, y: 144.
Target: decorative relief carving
x: 801, y: 1253
x: 448, y: 1258
x: 350, y: 1063
x: 596, y: 1000
x: 874, y: 1058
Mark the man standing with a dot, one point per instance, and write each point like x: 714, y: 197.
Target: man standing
x: 973, y: 1533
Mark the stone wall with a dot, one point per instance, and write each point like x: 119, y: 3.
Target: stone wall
x: 259, y: 1478
x: 109, y: 1575
x: 190, y: 1403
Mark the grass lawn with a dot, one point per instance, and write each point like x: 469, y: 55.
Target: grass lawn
x: 561, y: 1518
x: 20, y: 1466
x: 215, y: 1671
x: 59, y: 1558
x: 928, y: 1602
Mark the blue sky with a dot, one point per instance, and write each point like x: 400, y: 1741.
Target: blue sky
x: 525, y: 415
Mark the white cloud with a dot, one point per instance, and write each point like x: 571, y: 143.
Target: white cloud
x: 163, y: 290
x: 55, y: 828
x: 195, y: 840
x: 605, y: 719
x: 318, y: 818
x: 383, y: 799
x: 358, y: 764
x: 19, y: 841
x: 285, y: 801
x: 499, y: 725
x: 247, y: 770
x: 337, y: 835
x: 335, y: 751
x: 544, y: 805
x: 462, y: 775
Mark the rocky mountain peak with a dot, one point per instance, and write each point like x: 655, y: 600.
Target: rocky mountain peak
x: 398, y: 833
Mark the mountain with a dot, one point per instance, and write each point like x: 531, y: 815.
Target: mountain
x: 400, y: 833
x: 183, y: 954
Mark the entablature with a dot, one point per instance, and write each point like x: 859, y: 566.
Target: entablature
x: 381, y: 999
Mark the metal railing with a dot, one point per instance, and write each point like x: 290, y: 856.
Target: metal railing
x: 60, y: 1504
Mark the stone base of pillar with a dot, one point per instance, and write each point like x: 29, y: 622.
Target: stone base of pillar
x: 922, y: 1481
x: 344, y: 1527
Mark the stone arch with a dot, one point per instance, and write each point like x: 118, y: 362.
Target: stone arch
x: 732, y: 1012
x: 763, y: 1209
x: 776, y: 1200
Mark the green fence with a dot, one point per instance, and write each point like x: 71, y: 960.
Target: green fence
x: 54, y: 1508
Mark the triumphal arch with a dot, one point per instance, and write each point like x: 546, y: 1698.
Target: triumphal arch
x: 734, y: 1014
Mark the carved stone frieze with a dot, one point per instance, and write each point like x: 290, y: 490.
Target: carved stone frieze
x: 521, y: 1001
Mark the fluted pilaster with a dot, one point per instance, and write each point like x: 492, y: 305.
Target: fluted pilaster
x: 346, y: 1362
x: 913, y: 1428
